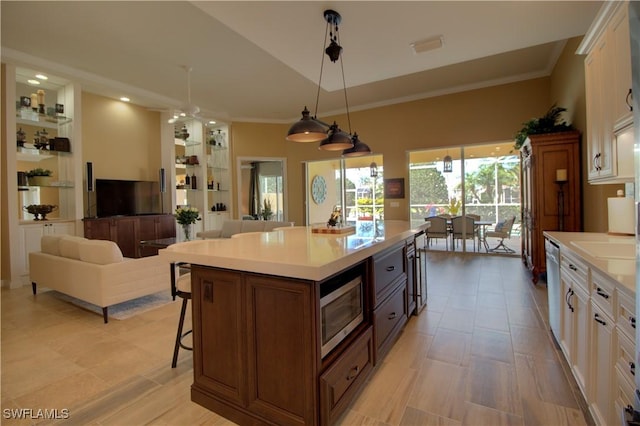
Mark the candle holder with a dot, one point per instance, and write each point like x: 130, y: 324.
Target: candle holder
x: 560, y: 184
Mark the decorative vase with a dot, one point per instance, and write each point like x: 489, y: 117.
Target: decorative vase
x: 186, y: 229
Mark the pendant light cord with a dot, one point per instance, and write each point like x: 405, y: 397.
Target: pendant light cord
x: 344, y: 84
x: 326, y: 30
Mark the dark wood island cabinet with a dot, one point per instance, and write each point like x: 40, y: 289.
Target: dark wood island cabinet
x: 260, y: 336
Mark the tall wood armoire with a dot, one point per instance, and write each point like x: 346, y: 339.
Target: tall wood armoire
x: 550, y: 202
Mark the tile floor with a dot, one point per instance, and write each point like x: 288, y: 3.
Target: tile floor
x: 479, y: 354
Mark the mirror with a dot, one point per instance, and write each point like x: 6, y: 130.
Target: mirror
x: 261, y: 183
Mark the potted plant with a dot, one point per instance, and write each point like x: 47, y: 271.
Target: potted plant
x: 187, y: 216
x: 39, y: 177
x: 548, y: 123
x: 266, y: 212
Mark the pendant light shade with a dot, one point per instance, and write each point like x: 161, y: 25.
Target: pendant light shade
x: 337, y: 140
x: 308, y: 129
x: 359, y: 148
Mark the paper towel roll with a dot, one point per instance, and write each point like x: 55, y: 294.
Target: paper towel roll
x: 621, y: 215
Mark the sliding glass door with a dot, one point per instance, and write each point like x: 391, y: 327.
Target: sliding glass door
x: 482, y: 181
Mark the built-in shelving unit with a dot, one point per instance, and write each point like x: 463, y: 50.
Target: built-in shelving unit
x: 31, y: 135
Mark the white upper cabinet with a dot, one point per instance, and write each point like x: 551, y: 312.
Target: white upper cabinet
x: 608, y: 85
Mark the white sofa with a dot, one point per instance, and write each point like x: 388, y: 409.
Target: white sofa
x: 236, y: 226
x: 95, y: 271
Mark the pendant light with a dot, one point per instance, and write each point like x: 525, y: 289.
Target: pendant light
x: 447, y: 163
x: 310, y: 129
x: 373, y: 170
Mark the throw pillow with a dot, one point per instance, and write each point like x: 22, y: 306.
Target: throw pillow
x: 50, y: 244
x: 70, y: 246
x: 100, y: 252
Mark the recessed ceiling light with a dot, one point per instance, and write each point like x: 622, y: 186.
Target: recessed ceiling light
x: 212, y: 122
x: 42, y: 77
x: 125, y: 99
x: 32, y: 81
x: 428, y: 44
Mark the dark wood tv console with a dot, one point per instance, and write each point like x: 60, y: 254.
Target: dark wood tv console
x: 128, y: 231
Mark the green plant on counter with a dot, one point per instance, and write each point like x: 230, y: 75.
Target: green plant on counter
x: 39, y: 172
x: 548, y: 123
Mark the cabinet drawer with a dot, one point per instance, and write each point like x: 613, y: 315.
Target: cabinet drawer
x: 624, y: 395
x: 626, y: 314
x: 602, y: 290
x: 625, y: 356
x: 388, y: 266
x: 575, y: 268
x: 343, y: 378
x: 389, y: 317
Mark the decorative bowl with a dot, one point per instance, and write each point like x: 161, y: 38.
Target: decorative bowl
x: 40, y: 211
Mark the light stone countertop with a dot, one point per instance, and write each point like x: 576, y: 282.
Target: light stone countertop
x: 620, y: 270
x: 293, y: 252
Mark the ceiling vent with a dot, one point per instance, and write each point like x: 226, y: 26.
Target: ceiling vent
x: 428, y: 44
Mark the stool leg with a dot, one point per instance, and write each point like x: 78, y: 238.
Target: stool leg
x: 179, y: 335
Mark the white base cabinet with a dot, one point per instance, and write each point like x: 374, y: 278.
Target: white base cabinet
x: 597, y: 336
x: 30, y: 235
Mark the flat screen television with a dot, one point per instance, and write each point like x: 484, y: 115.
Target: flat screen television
x: 127, y: 197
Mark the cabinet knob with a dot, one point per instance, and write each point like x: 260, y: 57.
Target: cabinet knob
x: 392, y: 315
x: 632, y: 320
x: 572, y: 267
x: 632, y: 368
x: 390, y: 268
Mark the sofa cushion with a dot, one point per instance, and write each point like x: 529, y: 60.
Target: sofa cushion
x: 252, y: 225
x: 70, y: 246
x: 230, y: 227
x: 100, y: 252
x: 50, y: 244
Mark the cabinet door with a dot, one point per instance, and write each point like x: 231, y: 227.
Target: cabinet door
x: 602, y: 365
x: 166, y: 226
x: 582, y: 326
x: 566, y: 319
x: 217, y: 303
x: 621, y: 47
x: 62, y: 228
x: 126, y: 236
x: 30, y: 236
x: 282, y: 349
x: 598, y: 72
x: 98, y: 229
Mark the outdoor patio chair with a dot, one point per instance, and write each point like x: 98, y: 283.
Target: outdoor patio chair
x: 502, y: 231
x: 438, y: 229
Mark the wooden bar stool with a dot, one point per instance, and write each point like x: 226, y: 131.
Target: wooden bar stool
x: 181, y: 288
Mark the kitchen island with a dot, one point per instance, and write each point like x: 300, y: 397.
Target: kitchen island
x: 265, y: 348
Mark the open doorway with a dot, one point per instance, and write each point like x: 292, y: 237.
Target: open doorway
x: 261, y: 188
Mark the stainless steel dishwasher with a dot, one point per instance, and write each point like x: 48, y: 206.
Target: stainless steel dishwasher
x: 553, y: 285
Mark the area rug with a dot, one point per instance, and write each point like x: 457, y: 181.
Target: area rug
x: 122, y: 310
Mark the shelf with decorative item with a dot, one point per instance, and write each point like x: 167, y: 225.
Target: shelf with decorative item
x: 27, y: 153
x: 52, y: 184
x: 187, y: 142
x: 29, y: 118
